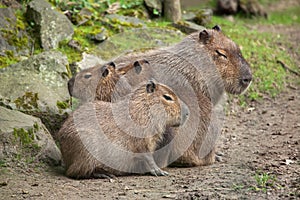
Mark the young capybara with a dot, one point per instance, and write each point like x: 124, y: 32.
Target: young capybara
x: 98, y: 82
x: 104, y: 138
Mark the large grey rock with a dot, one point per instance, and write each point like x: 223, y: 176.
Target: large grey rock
x: 13, y: 38
x: 252, y: 8
x: 247, y: 7
x: 227, y: 6
x: 138, y: 39
x: 200, y: 17
x: 89, y: 60
x: 188, y: 27
x: 36, y: 83
x: 52, y: 26
x: 126, y: 20
x: 154, y: 5
x: 25, y: 137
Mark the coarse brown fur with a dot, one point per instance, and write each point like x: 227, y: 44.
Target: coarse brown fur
x: 98, y: 82
x: 95, y: 138
x: 199, y: 69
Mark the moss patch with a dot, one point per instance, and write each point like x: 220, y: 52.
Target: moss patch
x: 26, y: 140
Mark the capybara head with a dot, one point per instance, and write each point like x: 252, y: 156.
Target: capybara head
x: 227, y: 56
x: 175, y: 111
x: 99, y: 82
x: 84, y: 84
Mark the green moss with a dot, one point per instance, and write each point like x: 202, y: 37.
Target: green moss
x: 25, y: 137
x: 16, y: 38
x: 9, y: 59
x: 72, y: 54
x: 13, y: 38
x: 2, y: 6
x: 62, y: 106
x: 28, y: 101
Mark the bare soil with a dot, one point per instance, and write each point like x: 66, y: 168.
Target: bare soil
x: 260, y: 140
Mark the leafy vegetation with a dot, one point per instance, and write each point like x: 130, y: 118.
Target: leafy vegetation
x: 264, y: 181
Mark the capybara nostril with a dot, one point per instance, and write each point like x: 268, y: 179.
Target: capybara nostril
x: 246, y: 80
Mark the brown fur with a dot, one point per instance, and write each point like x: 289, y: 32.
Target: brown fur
x: 200, y: 69
x: 98, y: 82
x: 146, y: 112
x: 211, y: 63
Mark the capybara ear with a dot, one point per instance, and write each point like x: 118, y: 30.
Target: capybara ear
x: 150, y: 87
x: 146, y: 61
x: 105, y: 72
x: 112, y: 64
x: 204, y: 36
x: 217, y: 28
x: 138, y: 67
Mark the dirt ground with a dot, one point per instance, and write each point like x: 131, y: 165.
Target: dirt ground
x: 261, y: 140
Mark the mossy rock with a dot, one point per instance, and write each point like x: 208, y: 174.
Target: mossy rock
x: 14, y: 40
x: 25, y: 138
x: 138, y: 39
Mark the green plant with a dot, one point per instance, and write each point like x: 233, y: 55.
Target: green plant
x: 25, y: 137
x: 237, y: 187
x: 264, y: 181
x: 2, y: 163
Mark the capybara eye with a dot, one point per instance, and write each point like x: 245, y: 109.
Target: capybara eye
x: 167, y: 97
x: 88, y: 75
x: 221, y: 53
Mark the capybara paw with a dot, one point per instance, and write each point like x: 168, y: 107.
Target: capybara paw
x: 158, y: 172
x: 219, y: 156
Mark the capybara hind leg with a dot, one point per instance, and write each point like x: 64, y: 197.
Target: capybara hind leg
x: 158, y: 172
x: 209, y: 158
x: 103, y: 176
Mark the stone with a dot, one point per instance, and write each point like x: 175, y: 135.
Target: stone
x: 137, y: 39
x: 37, y: 83
x: 89, y: 60
x: 99, y: 37
x: 252, y: 8
x: 11, y: 3
x: 200, y: 17
x: 25, y: 137
x: 126, y: 20
x: 154, y: 6
x: 13, y: 37
x: 187, y: 27
x: 227, y: 7
x: 51, y: 26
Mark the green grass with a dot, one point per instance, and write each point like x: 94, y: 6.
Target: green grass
x: 287, y: 17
